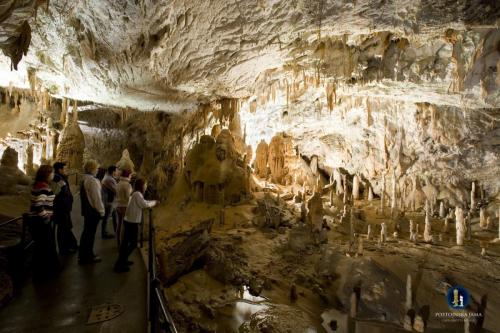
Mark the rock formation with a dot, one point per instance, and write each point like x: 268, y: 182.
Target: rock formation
x: 72, y: 143
x: 125, y: 163
x: 460, y: 225
x: 11, y: 175
x: 261, y: 155
x: 215, y: 172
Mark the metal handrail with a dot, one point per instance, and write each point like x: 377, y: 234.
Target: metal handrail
x: 158, y: 307
x: 11, y: 221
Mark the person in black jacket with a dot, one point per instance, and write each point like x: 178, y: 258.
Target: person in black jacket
x: 63, y: 204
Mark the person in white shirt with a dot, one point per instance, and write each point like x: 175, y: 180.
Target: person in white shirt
x: 133, y: 217
x: 92, y: 212
x: 123, y: 192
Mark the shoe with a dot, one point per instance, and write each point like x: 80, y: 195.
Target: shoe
x: 130, y: 262
x: 96, y: 259
x: 121, y: 269
x: 108, y: 236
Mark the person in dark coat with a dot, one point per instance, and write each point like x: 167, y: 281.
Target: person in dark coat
x: 45, y: 258
x: 109, y: 184
x: 63, y: 204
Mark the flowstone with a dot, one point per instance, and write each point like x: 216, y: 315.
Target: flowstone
x: 215, y: 171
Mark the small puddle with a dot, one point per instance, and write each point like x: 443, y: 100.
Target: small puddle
x: 246, y: 306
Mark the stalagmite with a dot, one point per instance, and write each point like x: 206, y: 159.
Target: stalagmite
x: 261, y: 155
x: 413, y: 231
x: 277, y: 158
x: 482, y: 218
x: 222, y: 216
x: 442, y: 211
x: 408, y: 304
x: 355, y: 187
x: 370, y: 193
x: 354, y: 305
x: 393, y: 191
x: 468, y: 226
x: 489, y: 223
x: 383, y: 232
x: 360, y: 246
x: 72, y: 143
x: 344, y: 181
x: 315, y: 211
x: 473, y: 197
x: 382, y: 195
x: 446, y: 225
x: 460, y: 225
x: 419, y: 325
x: 338, y: 182
x: 125, y: 162
x: 466, y: 325
x: 369, y: 232
x: 427, y: 227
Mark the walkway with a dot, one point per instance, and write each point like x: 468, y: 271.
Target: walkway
x: 64, y: 304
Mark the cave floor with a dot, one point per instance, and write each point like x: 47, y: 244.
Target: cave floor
x: 324, y: 275
x: 63, y: 304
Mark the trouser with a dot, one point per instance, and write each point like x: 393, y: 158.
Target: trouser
x: 129, y: 243
x: 65, y: 238
x: 45, y: 258
x: 90, y: 223
x: 109, y: 210
x: 120, y: 212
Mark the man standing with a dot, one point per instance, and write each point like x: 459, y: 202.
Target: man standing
x: 92, y: 212
x: 109, y: 195
x: 63, y: 204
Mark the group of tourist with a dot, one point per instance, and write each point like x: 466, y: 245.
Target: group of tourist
x: 115, y: 196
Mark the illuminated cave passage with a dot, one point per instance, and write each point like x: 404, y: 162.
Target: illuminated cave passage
x: 320, y: 165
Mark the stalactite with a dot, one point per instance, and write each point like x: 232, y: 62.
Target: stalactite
x: 253, y: 106
x: 369, y: 118
x: 482, y: 218
x: 382, y: 195
x: 355, y: 187
x: 64, y: 111
x: 330, y: 92
x: 393, y: 191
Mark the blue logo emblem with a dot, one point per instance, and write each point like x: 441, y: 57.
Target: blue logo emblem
x: 458, y: 297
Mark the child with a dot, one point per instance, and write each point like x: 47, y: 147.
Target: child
x: 133, y: 217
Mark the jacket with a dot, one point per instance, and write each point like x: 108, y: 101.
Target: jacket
x: 63, y: 201
x: 42, y: 201
x: 136, y: 204
x: 123, y: 191
x: 90, y: 193
x: 108, y: 189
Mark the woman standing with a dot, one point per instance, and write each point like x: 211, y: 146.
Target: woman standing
x: 45, y: 259
x: 133, y: 217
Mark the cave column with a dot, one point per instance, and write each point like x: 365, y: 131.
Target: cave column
x: 460, y: 225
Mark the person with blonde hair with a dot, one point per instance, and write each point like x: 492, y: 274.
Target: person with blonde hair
x: 92, y: 212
